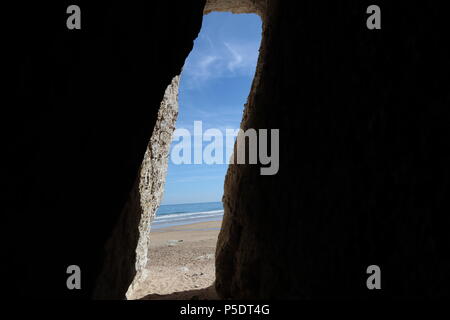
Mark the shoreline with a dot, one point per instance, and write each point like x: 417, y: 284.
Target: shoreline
x: 184, y: 226
x: 181, y: 263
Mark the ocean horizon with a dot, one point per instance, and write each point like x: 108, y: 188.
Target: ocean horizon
x: 170, y: 215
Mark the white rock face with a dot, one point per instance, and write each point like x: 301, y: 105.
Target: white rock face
x: 154, y: 168
x: 153, y: 175
x: 127, y: 249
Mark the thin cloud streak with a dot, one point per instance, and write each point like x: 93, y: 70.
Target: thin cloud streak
x: 225, y: 60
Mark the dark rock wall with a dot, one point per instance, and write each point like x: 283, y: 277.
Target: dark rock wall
x: 77, y: 114
x: 364, y: 128
x: 364, y: 165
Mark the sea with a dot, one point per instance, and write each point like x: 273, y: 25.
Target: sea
x: 188, y: 213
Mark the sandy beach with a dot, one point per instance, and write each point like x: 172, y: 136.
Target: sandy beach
x: 181, y: 263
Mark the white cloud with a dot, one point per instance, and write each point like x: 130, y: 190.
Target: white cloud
x: 236, y: 60
x: 221, y: 60
x: 243, y: 58
x: 202, y: 69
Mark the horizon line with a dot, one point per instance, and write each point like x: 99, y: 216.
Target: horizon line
x: 174, y: 204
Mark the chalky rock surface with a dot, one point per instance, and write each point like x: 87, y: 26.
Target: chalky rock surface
x: 145, y: 197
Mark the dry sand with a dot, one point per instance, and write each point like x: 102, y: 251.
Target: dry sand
x: 181, y: 263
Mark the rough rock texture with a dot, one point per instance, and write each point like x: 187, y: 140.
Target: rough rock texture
x: 364, y: 175
x: 126, y: 245
x: 236, y: 6
x: 154, y: 168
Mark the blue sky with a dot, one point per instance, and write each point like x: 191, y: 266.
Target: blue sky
x: 214, y: 87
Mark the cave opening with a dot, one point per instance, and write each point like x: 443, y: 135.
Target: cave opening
x: 200, y: 116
